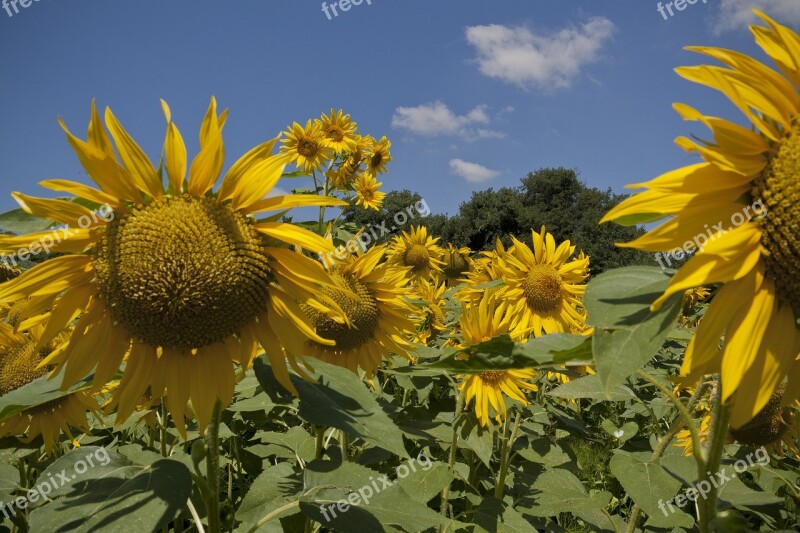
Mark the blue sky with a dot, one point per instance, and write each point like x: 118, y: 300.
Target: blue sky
x: 473, y: 94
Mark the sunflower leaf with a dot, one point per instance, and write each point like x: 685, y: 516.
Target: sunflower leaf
x: 627, y: 334
x: 94, y: 489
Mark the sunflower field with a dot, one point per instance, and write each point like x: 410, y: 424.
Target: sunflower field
x: 182, y: 349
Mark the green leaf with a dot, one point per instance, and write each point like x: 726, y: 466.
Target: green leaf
x: 639, y: 218
x: 627, y: 334
x: 351, y: 497
x: 341, y: 400
x: 19, y: 222
x: 112, y: 495
x: 622, y: 434
x: 591, y: 387
x: 274, y: 488
x: 645, y: 481
x: 497, y: 517
x: 427, y: 481
x: 501, y: 353
x: 37, y: 392
x: 559, y: 490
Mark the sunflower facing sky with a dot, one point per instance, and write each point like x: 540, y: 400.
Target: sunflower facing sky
x: 182, y: 280
x: 307, y: 147
x: 543, y: 288
x: 368, y: 193
x: 338, y: 131
x: 757, y: 261
x: 373, y: 298
x: 480, y: 323
x: 417, y: 253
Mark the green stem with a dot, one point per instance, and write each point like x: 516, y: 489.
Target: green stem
x: 344, y: 441
x: 696, y: 444
x: 162, y: 428
x: 453, y: 449
x: 718, y: 434
x: 212, y: 469
x: 673, y: 430
x: 505, y: 456
x: 320, y: 444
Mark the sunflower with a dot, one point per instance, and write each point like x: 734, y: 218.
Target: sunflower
x: 338, y: 131
x: 774, y: 425
x: 684, y: 436
x: 306, y: 146
x: 368, y: 193
x: 182, y: 281
x: 20, y: 358
x: 431, y: 318
x: 417, y: 253
x: 746, y: 191
x: 484, y: 278
x: 378, y: 156
x: 457, y: 264
x: 378, y: 314
x: 543, y: 288
x: 480, y: 323
x: 570, y: 373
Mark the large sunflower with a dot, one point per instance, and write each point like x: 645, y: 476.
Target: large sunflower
x: 739, y: 206
x: 373, y: 298
x: 544, y: 287
x: 183, y: 280
x: 417, y: 253
x: 20, y: 358
x: 480, y: 323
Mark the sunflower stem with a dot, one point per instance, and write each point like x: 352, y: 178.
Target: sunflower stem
x: 718, y: 433
x: 162, y: 428
x: 505, y: 456
x: 320, y: 442
x: 212, y: 469
x: 453, y: 449
x: 344, y: 441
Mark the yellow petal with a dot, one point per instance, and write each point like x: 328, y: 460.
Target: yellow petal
x: 134, y: 159
x: 235, y: 173
x: 730, y: 257
x: 207, y: 165
x: 292, y: 234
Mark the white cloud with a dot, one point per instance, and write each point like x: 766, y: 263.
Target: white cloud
x: 738, y: 14
x: 436, y: 119
x: 517, y: 55
x: 472, y: 172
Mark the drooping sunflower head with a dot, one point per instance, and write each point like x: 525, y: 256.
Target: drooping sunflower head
x: 377, y: 312
x: 457, y: 264
x: 368, y: 193
x: 378, y: 156
x: 544, y: 287
x: 417, y: 252
x: 484, y: 278
x: 770, y: 426
x: 737, y: 210
x: 430, y: 318
x: 182, y: 280
x: 339, y: 131
x: 306, y: 146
